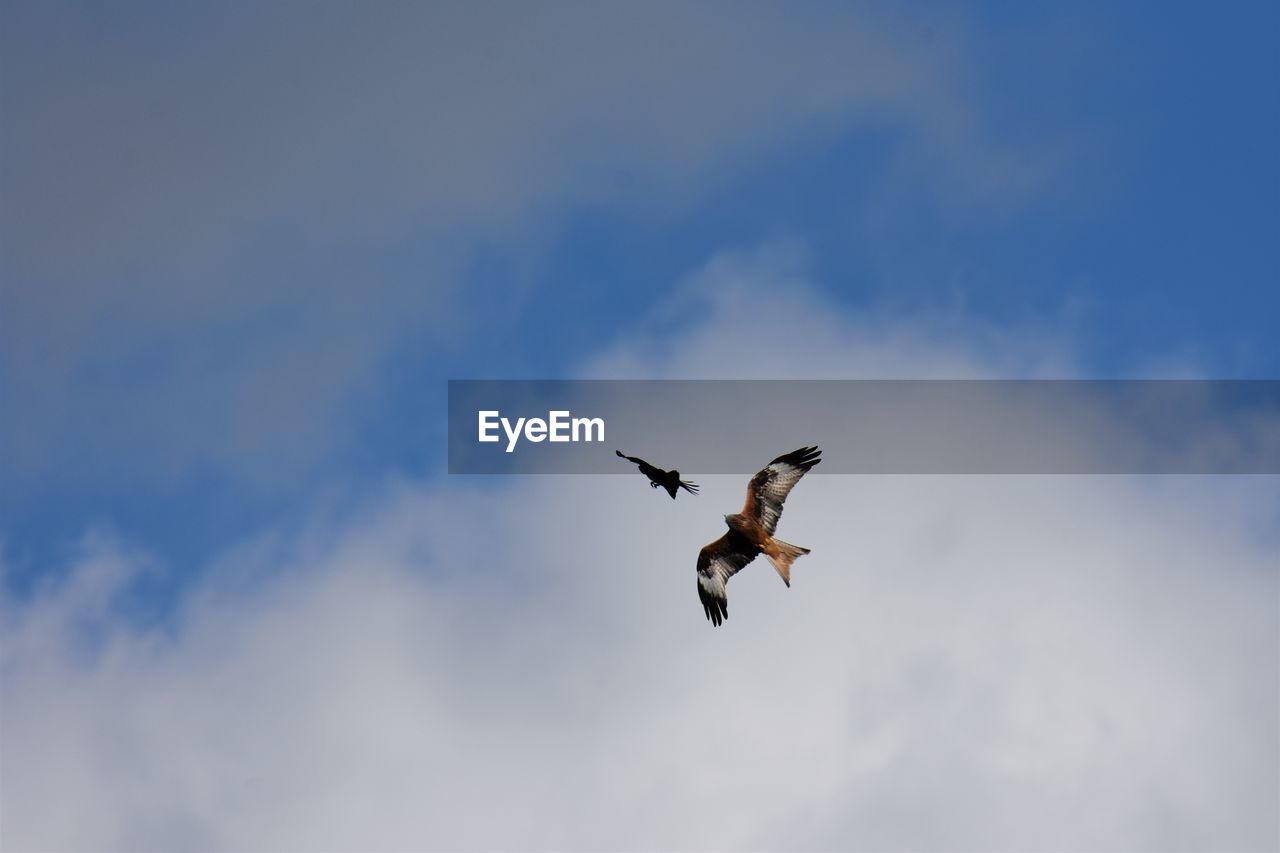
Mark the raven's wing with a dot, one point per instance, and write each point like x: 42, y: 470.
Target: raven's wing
x: 654, y: 474
x: 770, y: 486
x: 635, y: 459
x: 717, y: 562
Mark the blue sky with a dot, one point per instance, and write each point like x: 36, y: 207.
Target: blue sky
x: 245, y: 248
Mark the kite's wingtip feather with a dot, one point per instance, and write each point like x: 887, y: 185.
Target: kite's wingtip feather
x: 804, y: 457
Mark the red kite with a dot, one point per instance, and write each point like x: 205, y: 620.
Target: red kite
x: 751, y: 532
x: 669, y: 480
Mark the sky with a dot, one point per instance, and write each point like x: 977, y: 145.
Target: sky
x: 243, y: 605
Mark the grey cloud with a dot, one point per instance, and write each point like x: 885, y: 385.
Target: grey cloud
x: 140, y: 140
x: 158, y: 166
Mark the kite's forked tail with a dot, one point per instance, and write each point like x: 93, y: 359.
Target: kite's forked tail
x: 782, y: 555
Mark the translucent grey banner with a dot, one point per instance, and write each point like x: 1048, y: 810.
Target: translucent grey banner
x: 867, y: 426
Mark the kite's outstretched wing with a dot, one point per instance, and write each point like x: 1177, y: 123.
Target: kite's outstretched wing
x: 771, y: 485
x: 717, y: 562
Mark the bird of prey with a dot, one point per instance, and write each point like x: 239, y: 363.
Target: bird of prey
x: 669, y: 480
x: 751, y: 532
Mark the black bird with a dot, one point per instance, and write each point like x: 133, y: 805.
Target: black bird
x: 669, y: 480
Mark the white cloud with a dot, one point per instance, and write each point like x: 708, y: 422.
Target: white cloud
x: 773, y: 323
x: 961, y: 663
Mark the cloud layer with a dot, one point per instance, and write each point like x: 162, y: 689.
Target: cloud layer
x: 976, y: 663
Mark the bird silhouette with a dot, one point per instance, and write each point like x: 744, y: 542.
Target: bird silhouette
x: 669, y: 480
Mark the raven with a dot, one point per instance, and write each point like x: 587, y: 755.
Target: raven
x: 669, y: 480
